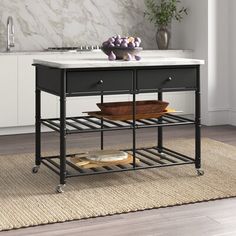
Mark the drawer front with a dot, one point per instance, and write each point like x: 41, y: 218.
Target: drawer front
x: 167, y: 79
x: 96, y: 81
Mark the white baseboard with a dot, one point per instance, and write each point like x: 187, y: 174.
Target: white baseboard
x: 232, y: 118
x: 21, y: 130
x: 218, y: 117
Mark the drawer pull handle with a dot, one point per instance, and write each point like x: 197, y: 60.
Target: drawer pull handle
x: 170, y: 79
x: 100, y: 82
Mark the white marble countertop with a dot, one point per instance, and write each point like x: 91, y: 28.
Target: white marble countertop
x: 93, y: 62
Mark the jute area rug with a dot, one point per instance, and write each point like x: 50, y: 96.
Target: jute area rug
x: 30, y: 200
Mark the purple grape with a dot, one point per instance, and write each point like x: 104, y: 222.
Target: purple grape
x: 137, y: 58
x: 118, y: 37
x: 128, y: 57
x: 125, y: 40
x: 106, y: 44
x: 111, y: 40
x: 131, y: 45
x: 124, y: 45
x: 137, y: 44
x: 138, y: 40
x: 118, y: 41
x: 112, y: 56
x: 111, y: 45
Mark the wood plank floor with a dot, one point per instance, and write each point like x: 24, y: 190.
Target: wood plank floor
x: 217, y: 218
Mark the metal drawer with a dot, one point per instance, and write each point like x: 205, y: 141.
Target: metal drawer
x: 167, y: 79
x: 97, y: 81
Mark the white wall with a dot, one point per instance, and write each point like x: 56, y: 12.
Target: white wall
x: 206, y: 31
x: 232, y: 61
x: 218, y: 58
x: 192, y: 33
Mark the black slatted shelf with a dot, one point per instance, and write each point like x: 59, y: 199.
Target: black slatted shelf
x: 149, y: 158
x: 84, y: 124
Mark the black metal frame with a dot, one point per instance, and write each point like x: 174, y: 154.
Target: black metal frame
x: 154, y: 157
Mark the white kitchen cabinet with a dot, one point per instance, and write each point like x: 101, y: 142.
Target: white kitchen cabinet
x: 26, y: 93
x: 8, y: 91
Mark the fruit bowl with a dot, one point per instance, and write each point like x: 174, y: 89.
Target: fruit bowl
x: 121, y: 53
x: 122, y: 48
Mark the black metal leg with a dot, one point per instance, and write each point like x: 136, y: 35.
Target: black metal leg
x: 134, y: 130
x: 102, y: 121
x: 62, y: 133
x: 198, y: 123
x: 134, y: 119
x: 160, y: 129
x: 37, y: 127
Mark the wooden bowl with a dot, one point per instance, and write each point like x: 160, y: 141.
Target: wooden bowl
x: 126, y: 108
x: 121, y: 52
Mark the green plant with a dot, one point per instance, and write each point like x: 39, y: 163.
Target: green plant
x: 161, y: 12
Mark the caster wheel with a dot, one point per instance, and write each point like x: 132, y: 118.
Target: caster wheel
x: 59, y: 188
x: 163, y: 155
x: 200, y: 172
x: 35, y: 169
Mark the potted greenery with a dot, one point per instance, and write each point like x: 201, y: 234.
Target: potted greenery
x: 161, y: 13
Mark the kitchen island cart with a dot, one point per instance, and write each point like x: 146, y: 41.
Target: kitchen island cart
x: 91, y: 77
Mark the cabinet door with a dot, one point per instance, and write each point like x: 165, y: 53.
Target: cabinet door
x: 89, y: 81
x: 26, y: 93
x: 8, y: 91
x: 167, y: 79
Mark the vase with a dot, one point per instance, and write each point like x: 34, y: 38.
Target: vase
x: 163, y: 38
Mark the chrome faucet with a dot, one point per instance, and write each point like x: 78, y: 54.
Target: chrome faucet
x: 10, y: 33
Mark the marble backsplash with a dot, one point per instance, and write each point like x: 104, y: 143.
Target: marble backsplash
x: 40, y: 24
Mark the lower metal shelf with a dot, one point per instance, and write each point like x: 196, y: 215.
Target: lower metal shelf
x: 85, y: 124
x: 149, y: 158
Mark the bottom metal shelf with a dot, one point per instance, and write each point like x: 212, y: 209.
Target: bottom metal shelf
x: 149, y: 158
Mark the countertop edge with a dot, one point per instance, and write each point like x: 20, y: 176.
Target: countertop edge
x: 108, y: 64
